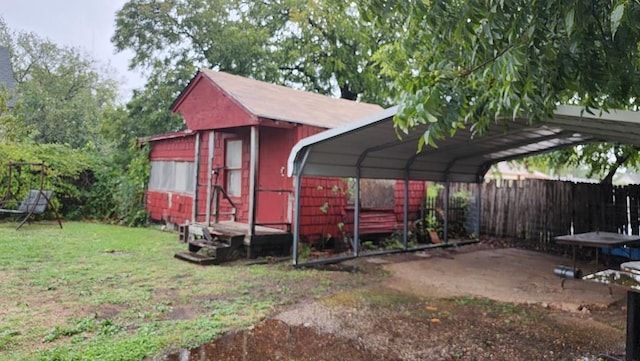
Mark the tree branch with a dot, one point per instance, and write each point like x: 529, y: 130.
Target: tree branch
x: 468, y: 72
x: 620, y: 160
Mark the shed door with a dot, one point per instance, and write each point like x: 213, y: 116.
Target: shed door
x: 273, y: 202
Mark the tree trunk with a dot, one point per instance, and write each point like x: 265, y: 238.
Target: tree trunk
x: 346, y: 93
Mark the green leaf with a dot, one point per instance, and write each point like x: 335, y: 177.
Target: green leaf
x: 432, y: 141
x: 422, y: 141
x: 420, y: 111
x: 430, y: 117
x: 616, y: 17
x: 569, y: 21
x: 516, y: 110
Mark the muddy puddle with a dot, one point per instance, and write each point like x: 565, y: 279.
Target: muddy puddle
x: 274, y: 340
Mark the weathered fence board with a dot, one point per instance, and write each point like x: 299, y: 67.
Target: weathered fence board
x: 634, y: 205
x: 538, y: 210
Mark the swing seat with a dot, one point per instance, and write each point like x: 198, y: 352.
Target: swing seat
x: 34, y: 203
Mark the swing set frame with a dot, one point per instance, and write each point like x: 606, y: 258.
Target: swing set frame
x: 36, y: 200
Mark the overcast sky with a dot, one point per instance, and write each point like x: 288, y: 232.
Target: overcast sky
x: 87, y: 24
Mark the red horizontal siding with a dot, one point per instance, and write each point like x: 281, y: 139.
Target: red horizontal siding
x: 373, y: 220
x: 176, y: 149
x: 206, y: 106
x: 169, y: 207
x: 417, y: 193
x: 304, y: 131
x: 318, y: 221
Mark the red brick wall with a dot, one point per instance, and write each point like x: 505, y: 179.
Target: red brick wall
x: 206, y: 107
x: 417, y: 192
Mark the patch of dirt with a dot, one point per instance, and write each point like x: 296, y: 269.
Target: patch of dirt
x: 504, y: 274
x: 181, y: 313
x: 470, y: 303
x: 108, y: 311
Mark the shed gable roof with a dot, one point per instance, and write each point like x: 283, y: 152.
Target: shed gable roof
x: 276, y: 102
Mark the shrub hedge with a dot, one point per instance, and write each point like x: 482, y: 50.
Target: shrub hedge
x: 86, y: 183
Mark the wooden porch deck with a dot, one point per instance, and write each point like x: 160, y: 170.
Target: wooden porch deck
x: 236, y: 229
x: 225, y: 239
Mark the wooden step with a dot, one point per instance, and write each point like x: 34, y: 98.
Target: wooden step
x: 228, y: 240
x: 196, y: 258
x: 207, y: 244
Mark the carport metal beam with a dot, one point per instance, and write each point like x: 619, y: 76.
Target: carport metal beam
x: 405, y: 211
x: 445, y: 217
x: 356, y: 216
x: 296, y: 203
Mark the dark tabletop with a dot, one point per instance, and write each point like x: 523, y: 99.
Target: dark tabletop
x: 598, y: 239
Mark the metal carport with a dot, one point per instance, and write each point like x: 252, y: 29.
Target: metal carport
x: 371, y: 148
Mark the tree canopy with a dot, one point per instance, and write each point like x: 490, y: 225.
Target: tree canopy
x: 450, y: 64
x: 61, y: 93
x: 322, y: 45
x: 65, y: 113
x: 470, y: 63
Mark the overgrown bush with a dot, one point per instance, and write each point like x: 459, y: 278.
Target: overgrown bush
x: 130, y: 193
x: 63, y: 173
x: 86, y: 183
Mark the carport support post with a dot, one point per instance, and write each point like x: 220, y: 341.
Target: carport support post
x: 296, y: 217
x: 298, y: 168
x: 356, y: 216
x: 445, y: 231
x: 405, y: 210
x: 478, y: 209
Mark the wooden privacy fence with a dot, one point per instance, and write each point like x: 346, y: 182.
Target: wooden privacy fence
x: 538, y: 210
x: 529, y: 209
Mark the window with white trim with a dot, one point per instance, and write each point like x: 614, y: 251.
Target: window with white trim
x: 233, y: 166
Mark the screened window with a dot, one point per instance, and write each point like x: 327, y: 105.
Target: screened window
x: 172, y: 176
x: 233, y: 165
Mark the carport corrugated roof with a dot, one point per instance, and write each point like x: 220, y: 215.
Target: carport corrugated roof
x: 372, y: 148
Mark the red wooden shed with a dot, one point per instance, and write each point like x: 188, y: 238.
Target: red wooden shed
x: 227, y: 171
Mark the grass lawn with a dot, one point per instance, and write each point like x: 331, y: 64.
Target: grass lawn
x: 101, y: 292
